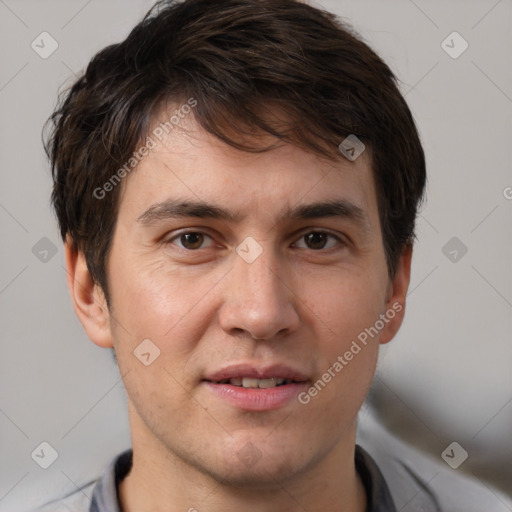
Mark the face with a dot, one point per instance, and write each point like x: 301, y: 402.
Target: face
x: 254, y: 276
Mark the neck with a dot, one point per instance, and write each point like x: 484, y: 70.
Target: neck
x: 161, y: 481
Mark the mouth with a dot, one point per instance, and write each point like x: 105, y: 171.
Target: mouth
x: 253, y: 388
x: 252, y: 383
x: 257, y: 377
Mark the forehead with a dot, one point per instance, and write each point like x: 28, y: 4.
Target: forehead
x: 191, y: 164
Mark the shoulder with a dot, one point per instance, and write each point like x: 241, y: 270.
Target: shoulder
x: 98, y: 495
x: 419, y: 483
x: 79, y: 501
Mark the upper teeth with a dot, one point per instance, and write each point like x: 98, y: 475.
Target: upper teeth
x: 248, y: 382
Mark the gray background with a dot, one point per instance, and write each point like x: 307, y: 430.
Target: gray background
x: 446, y: 377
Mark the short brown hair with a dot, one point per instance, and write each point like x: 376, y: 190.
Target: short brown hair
x: 237, y: 59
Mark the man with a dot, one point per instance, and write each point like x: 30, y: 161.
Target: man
x: 237, y: 184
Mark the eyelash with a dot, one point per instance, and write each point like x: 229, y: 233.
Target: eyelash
x: 179, y: 235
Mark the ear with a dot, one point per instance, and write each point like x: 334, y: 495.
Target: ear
x: 88, y: 298
x: 395, y: 304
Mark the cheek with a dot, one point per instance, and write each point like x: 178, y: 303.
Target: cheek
x: 155, y: 300
x: 150, y: 302
x: 344, y: 308
x: 345, y: 303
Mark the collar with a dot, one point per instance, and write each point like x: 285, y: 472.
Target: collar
x: 105, y: 497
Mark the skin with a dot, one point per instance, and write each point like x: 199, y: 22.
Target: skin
x: 299, y: 303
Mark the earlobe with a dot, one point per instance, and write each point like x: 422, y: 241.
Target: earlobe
x: 395, y: 305
x: 88, y: 298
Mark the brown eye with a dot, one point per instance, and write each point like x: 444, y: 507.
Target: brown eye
x: 192, y: 240
x: 317, y: 240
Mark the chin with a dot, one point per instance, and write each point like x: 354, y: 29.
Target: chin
x: 258, y: 467
x: 262, y: 477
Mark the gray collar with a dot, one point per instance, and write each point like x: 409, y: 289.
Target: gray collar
x: 105, y: 496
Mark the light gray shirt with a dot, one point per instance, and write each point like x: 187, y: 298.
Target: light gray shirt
x: 396, y: 476
x: 105, y: 496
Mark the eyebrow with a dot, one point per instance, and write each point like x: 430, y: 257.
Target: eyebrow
x: 176, y: 208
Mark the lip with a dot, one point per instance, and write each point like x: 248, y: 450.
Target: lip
x: 250, y: 399
x: 247, y: 370
x: 259, y: 399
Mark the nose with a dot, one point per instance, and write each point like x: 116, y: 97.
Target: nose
x: 258, y: 300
